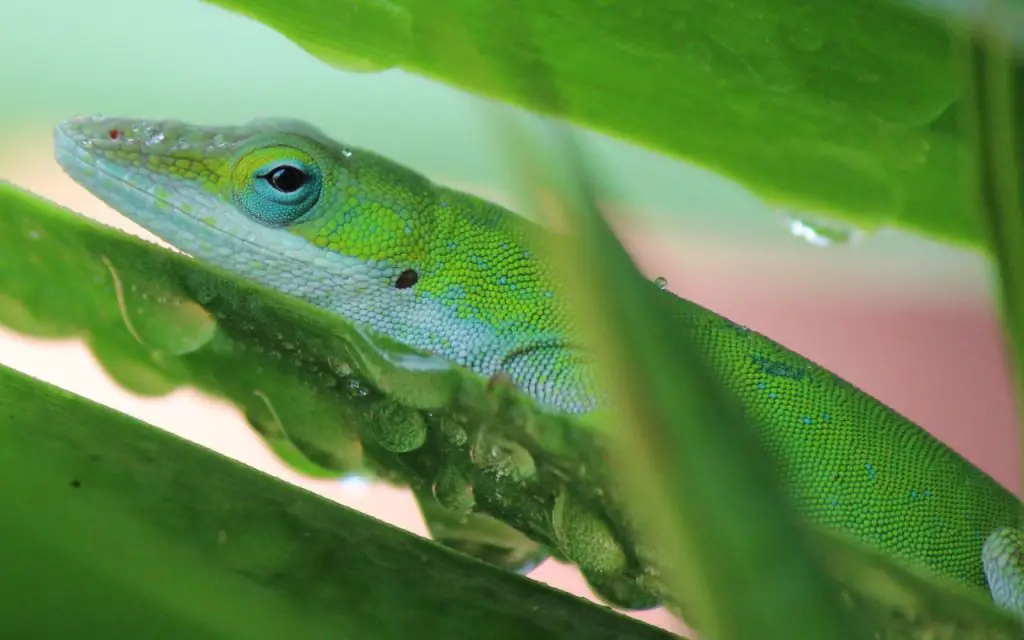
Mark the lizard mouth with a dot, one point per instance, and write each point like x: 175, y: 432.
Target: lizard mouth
x: 130, y: 190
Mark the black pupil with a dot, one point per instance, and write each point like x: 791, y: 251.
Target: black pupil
x: 286, y: 179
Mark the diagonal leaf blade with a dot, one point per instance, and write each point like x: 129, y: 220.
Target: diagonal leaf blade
x: 115, y: 528
x: 734, y: 558
x: 993, y: 73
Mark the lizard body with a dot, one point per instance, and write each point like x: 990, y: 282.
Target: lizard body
x: 280, y: 203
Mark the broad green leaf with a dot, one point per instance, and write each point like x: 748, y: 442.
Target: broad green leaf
x: 846, y: 112
x: 114, y: 528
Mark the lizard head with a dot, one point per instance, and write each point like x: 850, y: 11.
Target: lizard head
x: 278, y: 202
x: 267, y: 200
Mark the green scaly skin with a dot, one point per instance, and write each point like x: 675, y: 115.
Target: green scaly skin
x: 278, y: 202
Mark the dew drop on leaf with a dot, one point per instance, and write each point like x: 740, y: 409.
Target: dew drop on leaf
x: 821, y: 233
x: 356, y: 388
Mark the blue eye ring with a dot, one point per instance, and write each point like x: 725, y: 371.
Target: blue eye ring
x: 280, y: 191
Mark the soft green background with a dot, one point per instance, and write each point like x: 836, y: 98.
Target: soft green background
x: 193, y: 61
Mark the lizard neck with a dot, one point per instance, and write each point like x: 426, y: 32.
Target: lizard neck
x: 480, y: 293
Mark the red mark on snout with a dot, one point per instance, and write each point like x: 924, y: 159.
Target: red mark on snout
x: 114, y: 134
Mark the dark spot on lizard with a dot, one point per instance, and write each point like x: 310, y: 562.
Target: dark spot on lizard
x: 406, y: 279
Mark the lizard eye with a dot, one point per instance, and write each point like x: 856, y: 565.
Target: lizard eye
x: 286, y: 178
x: 277, y: 186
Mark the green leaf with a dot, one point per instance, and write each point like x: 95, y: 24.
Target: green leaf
x: 722, y: 534
x: 896, y: 601
x: 114, y: 528
x: 994, y: 76
x: 850, y: 113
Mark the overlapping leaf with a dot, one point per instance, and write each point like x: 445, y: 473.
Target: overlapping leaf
x: 849, y: 113
x: 113, y: 528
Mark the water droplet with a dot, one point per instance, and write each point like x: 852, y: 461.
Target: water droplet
x: 356, y: 388
x: 159, y: 319
x: 822, y: 233
x: 661, y: 282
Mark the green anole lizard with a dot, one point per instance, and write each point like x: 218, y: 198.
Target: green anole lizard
x: 280, y: 203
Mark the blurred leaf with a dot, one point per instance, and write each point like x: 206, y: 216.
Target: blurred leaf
x: 721, y: 528
x: 1001, y: 19
x: 847, y: 112
x: 994, y: 76
x: 896, y: 601
x: 114, y: 528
